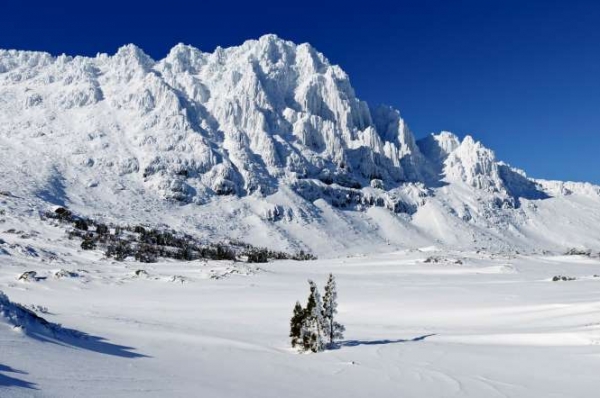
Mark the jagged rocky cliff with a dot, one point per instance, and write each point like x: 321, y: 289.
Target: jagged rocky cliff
x: 268, y: 130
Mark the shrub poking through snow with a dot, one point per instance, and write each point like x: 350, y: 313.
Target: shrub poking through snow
x: 438, y: 260
x: 119, y: 251
x: 558, y: 278
x: 81, y: 224
x: 578, y: 252
x: 62, y: 214
x: 146, y: 253
x: 88, y: 244
x: 303, y: 256
x: 147, y: 245
x: 63, y: 273
x: 28, y: 276
x: 313, y: 329
x: 257, y: 255
x: 102, y: 229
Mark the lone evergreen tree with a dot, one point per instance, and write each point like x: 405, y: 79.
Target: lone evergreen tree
x: 332, y: 329
x: 312, y: 327
x: 296, y: 324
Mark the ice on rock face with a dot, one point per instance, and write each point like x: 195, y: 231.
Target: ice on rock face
x: 268, y: 135
x: 236, y: 121
x: 471, y: 163
x: 184, y: 59
x: 22, y: 65
x: 437, y: 147
x: 130, y: 62
x: 474, y: 164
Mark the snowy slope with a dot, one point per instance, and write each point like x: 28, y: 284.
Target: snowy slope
x: 265, y: 142
x: 420, y: 323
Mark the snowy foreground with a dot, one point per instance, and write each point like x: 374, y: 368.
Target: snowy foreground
x: 493, y: 326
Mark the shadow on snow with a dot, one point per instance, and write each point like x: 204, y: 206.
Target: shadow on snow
x: 354, y: 343
x: 10, y: 381
x: 80, y: 340
x: 36, y: 327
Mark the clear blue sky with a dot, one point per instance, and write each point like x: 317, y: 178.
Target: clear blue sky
x: 521, y: 76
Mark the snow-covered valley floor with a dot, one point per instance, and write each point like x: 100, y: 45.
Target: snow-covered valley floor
x: 485, y: 326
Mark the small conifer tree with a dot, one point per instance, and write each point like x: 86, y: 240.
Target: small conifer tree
x: 312, y: 328
x: 332, y: 329
x: 296, y: 324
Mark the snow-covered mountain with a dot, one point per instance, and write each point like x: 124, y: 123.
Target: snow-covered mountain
x: 265, y: 142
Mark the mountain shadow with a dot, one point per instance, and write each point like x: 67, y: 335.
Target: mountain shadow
x: 519, y: 186
x: 54, y: 191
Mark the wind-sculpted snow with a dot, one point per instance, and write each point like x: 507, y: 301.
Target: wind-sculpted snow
x: 33, y: 326
x: 268, y: 122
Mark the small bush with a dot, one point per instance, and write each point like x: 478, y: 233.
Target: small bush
x: 303, y: 256
x: 102, y: 229
x: 257, y: 255
x: 185, y: 253
x: 119, y: 251
x: 147, y: 245
x: 138, y: 229
x: 77, y: 233
x: 146, y: 254
x: 63, y: 214
x: 81, y: 224
x: 88, y: 244
x: 219, y: 251
x: 578, y: 252
x: 558, y: 278
x: 29, y: 276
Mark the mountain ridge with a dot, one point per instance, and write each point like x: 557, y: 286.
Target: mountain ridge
x: 268, y: 120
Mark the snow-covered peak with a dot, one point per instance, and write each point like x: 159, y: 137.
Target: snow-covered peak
x: 437, y: 147
x: 131, y: 61
x: 265, y: 132
x: 134, y: 52
x: 185, y: 59
x: 239, y: 120
x: 447, y: 141
x: 474, y: 164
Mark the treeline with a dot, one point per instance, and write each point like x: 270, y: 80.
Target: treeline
x: 147, y: 245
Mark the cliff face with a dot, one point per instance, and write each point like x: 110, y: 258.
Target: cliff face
x: 266, y: 119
